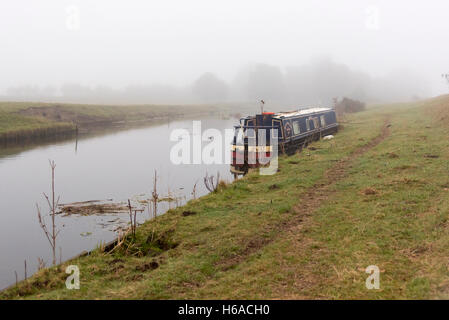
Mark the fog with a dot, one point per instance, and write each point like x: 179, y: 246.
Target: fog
x: 288, y: 52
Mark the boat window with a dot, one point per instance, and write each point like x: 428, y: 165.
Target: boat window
x: 307, y: 125
x: 316, y: 123
x: 323, y: 121
x: 239, y: 136
x: 278, y: 124
x: 251, y: 133
x: 296, y: 129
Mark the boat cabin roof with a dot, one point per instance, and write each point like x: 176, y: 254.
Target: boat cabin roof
x: 301, y: 112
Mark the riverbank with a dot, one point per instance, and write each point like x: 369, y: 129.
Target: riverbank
x: 376, y: 194
x: 25, y: 121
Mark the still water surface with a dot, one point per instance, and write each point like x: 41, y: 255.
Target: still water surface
x: 115, y: 166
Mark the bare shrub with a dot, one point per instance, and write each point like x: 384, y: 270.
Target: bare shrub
x: 155, y: 195
x: 40, y: 264
x: 194, y: 190
x: 133, y: 218
x: 52, y: 205
x: 211, y: 182
x: 347, y: 105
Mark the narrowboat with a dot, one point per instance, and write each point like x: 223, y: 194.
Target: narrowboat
x: 270, y: 133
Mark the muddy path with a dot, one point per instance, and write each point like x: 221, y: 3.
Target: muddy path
x: 320, y: 192
x: 314, y: 198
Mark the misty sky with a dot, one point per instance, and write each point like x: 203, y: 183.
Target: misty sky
x: 118, y: 43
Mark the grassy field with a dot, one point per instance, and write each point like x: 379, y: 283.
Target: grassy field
x: 24, y: 120
x: 377, y: 194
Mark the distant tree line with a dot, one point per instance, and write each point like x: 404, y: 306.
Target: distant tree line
x: 314, y: 83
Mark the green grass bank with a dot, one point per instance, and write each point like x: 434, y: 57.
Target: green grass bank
x: 376, y: 194
x: 31, y: 120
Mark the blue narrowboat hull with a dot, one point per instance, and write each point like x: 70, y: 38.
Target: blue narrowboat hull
x: 293, y: 130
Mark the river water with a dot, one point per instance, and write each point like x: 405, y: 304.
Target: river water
x: 118, y: 166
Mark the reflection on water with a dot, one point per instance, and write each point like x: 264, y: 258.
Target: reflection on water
x: 116, y: 166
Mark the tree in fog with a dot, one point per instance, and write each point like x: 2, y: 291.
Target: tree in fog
x: 75, y: 92
x: 156, y: 93
x: 318, y: 82
x: 209, y: 87
x: 401, y: 84
x: 25, y: 92
x: 265, y: 82
x: 49, y: 91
